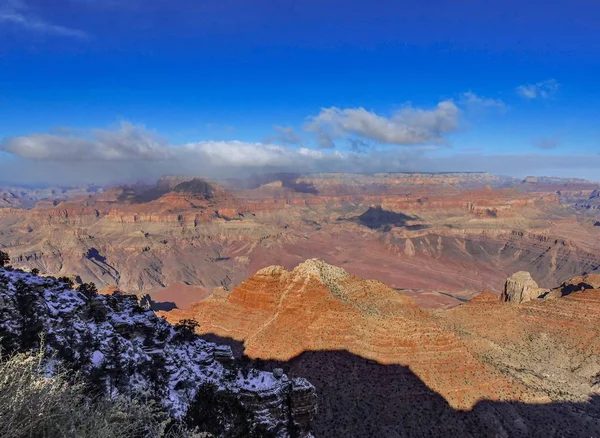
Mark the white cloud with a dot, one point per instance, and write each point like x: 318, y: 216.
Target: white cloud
x: 409, y: 126
x: 539, y: 90
x: 221, y: 154
x: 472, y: 100
x: 17, y: 13
x: 131, y: 152
x: 130, y: 142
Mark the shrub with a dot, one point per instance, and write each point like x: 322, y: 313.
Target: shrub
x: 4, y: 259
x: 27, y: 303
x: 186, y: 329
x: 89, y: 290
x: 32, y: 405
x: 35, y: 271
x: 66, y: 281
x: 97, y: 310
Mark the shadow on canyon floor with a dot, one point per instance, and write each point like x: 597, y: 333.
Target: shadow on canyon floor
x: 361, y: 398
x: 377, y: 218
x: 141, y: 194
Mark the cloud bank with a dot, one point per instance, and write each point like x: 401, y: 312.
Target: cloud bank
x: 407, y: 127
x: 130, y: 153
x: 127, y: 143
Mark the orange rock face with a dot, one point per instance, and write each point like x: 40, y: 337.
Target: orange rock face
x: 551, y: 345
x: 280, y: 314
x: 380, y: 363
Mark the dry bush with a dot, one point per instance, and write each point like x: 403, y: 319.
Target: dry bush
x: 33, y: 405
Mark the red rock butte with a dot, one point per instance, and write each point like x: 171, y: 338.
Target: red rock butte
x: 482, y: 350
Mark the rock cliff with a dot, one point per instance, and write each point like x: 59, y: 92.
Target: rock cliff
x: 122, y: 348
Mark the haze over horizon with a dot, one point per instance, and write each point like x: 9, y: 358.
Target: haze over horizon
x: 97, y: 91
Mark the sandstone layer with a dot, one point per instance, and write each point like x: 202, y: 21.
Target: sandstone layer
x: 552, y: 346
x: 484, y: 368
x: 279, y: 314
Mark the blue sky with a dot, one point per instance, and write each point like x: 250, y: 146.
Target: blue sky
x: 125, y: 89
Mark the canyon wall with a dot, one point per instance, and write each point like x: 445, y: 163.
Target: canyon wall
x: 424, y: 233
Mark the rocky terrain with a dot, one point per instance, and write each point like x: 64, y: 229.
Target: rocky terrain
x: 439, y: 237
x: 550, y: 344
x: 520, y: 287
x: 121, y: 348
x: 585, y: 202
x: 384, y: 367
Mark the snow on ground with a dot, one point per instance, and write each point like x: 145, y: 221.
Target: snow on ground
x: 127, y: 336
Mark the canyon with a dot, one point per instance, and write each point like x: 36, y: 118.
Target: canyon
x: 440, y: 238
x: 402, y: 305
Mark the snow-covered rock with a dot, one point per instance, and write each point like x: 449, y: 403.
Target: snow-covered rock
x: 124, y: 348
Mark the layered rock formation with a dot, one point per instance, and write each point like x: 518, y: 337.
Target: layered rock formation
x: 448, y: 234
x: 521, y: 288
x: 485, y: 368
x: 551, y: 346
x: 575, y: 284
x: 586, y: 200
x: 279, y: 314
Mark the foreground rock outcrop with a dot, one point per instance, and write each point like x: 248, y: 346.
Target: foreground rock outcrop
x: 121, y: 347
x: 521, y: 288
x: 550, y: 345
